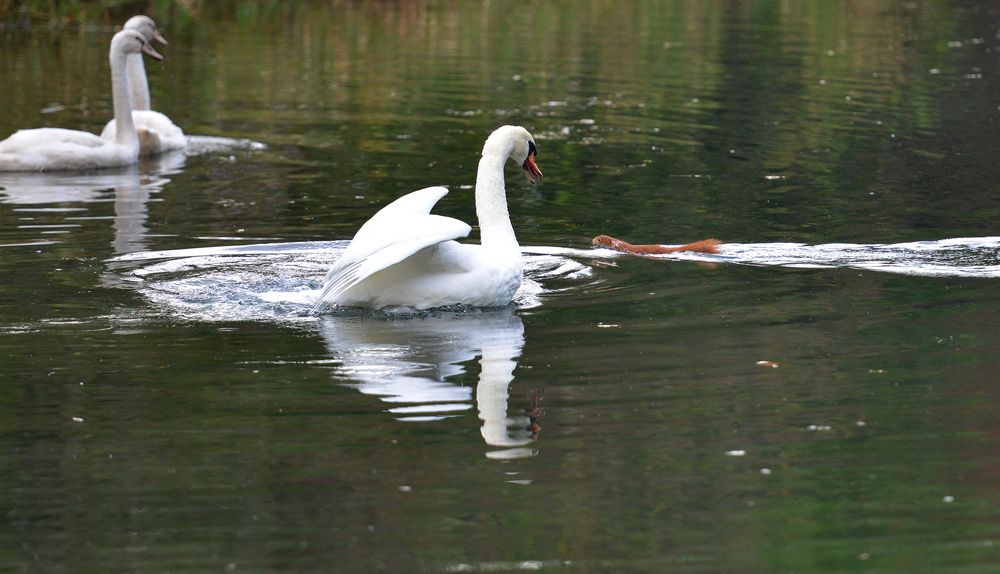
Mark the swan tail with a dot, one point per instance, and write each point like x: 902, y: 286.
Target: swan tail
x: 334, y: 286
x: 703, y: 246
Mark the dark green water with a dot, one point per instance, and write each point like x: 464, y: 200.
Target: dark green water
x: 162, y: 414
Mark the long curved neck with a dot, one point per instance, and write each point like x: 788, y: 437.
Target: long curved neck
x: 123, y: 111
x: 495, y: 229
x: 138, y: 87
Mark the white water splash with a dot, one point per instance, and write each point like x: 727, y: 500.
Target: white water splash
x: 275, y: 281
x: 281, y: 281
x: 197, y: 145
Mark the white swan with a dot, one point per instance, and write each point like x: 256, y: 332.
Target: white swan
x: 138, y: 86
x: 157, y: 133
x: 54, y: 148
x: 405, y: 256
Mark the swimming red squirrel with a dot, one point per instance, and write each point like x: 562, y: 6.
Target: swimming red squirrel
x: 703, y: 246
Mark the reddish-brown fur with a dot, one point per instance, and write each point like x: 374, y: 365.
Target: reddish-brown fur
x: 703, y: 246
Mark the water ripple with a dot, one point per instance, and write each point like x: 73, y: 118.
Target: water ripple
x: 957, y: 257
x: 280, y: 281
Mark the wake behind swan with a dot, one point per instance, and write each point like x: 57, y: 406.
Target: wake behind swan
x: 282, y: 281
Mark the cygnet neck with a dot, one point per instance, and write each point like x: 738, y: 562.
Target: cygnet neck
x: 125, y: 128
x: 138, y: 90
x: 495, y: 229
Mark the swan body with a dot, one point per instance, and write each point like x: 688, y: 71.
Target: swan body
x: 45, y: 149
x: 156, y: 132
x: 55, y: 148
x: 406, y: 256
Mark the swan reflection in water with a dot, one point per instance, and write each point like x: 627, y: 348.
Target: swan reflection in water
x: 408, y: 362
x: 132, y: 186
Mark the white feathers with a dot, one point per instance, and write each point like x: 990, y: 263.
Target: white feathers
x: 396, y: 232
x: 406, y: 256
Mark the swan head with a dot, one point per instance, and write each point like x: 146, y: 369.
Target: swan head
x: 132, y: 42
x: 145, y: 26
x: 515, y: 143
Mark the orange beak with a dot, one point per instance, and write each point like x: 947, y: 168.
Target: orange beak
x: 531, y: 169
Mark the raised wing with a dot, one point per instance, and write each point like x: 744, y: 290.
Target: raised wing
x: 378, y: 231
x: 396, y: 232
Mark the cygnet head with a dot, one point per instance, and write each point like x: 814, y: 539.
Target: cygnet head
x: 517, y: 144
x: 132, y: 42
x: 145, y: 26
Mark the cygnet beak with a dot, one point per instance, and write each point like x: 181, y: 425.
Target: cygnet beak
x: 531, y: 169
x: 147, y: 48
x: 159, y: 38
